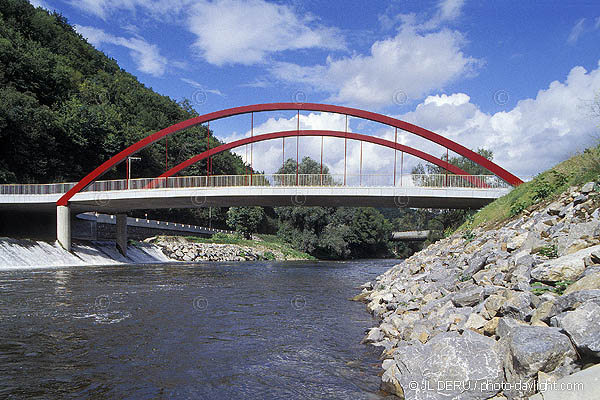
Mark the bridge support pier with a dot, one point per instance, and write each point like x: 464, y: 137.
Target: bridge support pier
x: 122, y: 233
x: 63, y: 226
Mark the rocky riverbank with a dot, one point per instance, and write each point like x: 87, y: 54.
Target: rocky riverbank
x: 182, y: 249
x: 497, y: 313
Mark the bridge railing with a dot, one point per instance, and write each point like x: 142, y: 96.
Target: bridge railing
x: 284, y: 180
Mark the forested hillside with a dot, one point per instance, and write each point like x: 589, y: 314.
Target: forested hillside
x: 66, y: 107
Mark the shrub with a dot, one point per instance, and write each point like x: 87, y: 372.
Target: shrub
x: 550, y: 251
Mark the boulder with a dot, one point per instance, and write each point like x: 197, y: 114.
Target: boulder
x: 581, y: 385
x: 475, y: 322
x: 476, y: 263
x: 516, y: 242
x: 390, y: 380
x: 374, y: 335
x: 591, y: 281
x: 571, y: 301
x: 468, y: 297
x: 588, y: 187
x: 529, y: 349
x: 583, y: 327
x: 565, y: 268
x: 466, y: 360
x: 517, y: 306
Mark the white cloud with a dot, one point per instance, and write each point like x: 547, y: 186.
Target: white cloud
x: 246, y: 32
x: 200, y: 86
x: 104, y: 8
x: 450, y: 9
x: 532, y: 137
x: 231, y: 31
x: 409, y: 65
x: 146, y: 56
x: 576, y: 31
x: 535, y: 135
x: 39, y: 3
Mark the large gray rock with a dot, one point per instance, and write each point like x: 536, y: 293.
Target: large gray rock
x: 517, y: 306
x: 571, y: 301
x: 468, y: 297
x: 476, y: 263
x: 588, y: 282
x: 530, y: 349
x: 583, y: 327
x: 588, y: 187
x: 583, y: 385
x: 466, y: 360
x: 565, y: 268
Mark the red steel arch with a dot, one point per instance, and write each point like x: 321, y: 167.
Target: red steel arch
x: 417, y: 130
x: 307, y: 133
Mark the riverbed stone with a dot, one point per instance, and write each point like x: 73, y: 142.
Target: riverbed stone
x: 565, y: 268
x: 468, y: 297
x: 529, y: 349
x: 450, y: 357
x: 588, y: 282
x: 583, y: 327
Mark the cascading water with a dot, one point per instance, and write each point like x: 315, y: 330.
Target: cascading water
x: 23, y: 253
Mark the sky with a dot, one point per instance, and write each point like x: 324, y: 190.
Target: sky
x: 515, y: 77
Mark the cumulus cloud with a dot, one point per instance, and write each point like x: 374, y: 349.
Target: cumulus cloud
x: 533, y: 136
x: 530, y: 138
x: 450, y: 9
x: 246, y: 32
x: 406, y: 66
x: 146, y: 56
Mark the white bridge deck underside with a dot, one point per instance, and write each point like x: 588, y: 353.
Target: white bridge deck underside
x: 125, y: 200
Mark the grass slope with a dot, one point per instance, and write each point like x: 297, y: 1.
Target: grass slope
x: 548, y: 185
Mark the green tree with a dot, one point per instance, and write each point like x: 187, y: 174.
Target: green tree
x: 245, y: 220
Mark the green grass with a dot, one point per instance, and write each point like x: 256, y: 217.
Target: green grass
x: 544, y: 188
x: 270, y: 242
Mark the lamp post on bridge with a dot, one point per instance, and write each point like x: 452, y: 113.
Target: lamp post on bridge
x: 129, y: 160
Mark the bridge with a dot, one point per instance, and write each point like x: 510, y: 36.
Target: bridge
x: 409, y: 236
x: 454, y: 189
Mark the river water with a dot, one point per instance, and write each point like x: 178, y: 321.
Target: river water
x: 253, y: 330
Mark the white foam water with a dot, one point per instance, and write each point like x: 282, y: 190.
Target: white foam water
x: 31, y: 254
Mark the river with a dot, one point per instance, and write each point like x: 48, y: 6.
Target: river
x: 252, y: 330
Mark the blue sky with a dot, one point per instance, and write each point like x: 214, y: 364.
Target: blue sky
x: 512, y: 76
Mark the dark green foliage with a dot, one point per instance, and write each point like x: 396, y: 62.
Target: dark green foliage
x: 550, y: 251
x: 335, y: 233
x: 541, y: 190
x: 245, y: 220
x: 328, y: 232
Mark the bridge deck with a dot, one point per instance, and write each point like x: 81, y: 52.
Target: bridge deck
x: 125, y: 200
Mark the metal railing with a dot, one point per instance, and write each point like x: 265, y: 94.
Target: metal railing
x: 268, y: 180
